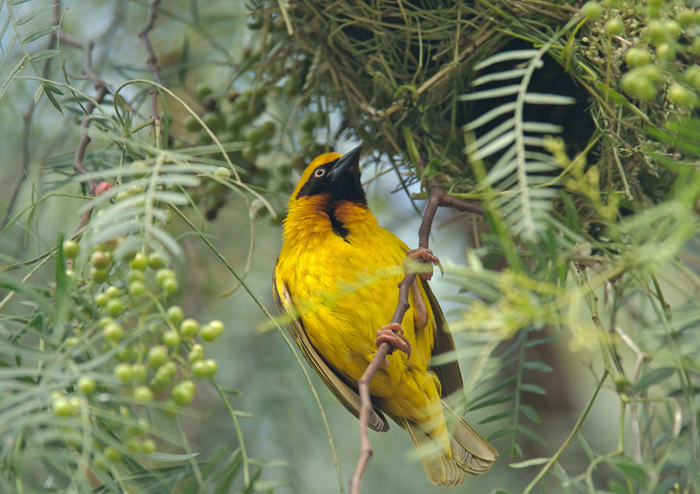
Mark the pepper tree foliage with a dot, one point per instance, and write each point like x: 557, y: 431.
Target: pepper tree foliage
x: 99, y: 363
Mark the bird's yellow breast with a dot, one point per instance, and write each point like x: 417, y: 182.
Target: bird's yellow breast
x: 346, y: 288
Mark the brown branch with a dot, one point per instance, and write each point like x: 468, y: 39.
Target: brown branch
x: 385, y: 348
x: 151, y: 61
x: 438, y: 197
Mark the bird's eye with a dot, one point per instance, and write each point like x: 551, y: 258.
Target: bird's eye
x: 319, y: 173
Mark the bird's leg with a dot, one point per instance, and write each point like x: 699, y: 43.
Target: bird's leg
x: 421, y: 262
x: 393, y: 334
x: 420, y: 313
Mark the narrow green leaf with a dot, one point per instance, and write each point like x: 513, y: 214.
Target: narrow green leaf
x: 543, y: 489
x: 533, y: 388
x: 265, y: 463
x: 530, y: 413
x: 563, y: 478
x: 539, y: 366
x: 632, y: 470
x: 654, y: 376
x: 38, y: 33
x: 495, y: 389
x: 168, y: 458
x: 498, y: 416
x: 491, y: 402
x: 529, y: 463
x: 541, y: 341
x: 43, y: 55
x: 6, y: 55
x: 499, y: 433
x: 586, y: 447
x: 526, y: 431
x: 13, y: 73
x: 32, y: 14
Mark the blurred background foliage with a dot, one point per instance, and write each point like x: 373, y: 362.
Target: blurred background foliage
x: 575, y: 315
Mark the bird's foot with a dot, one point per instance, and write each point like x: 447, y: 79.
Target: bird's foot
x: 393, y: 334
x: 421, y: 262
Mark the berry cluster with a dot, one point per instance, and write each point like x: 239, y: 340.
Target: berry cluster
x: 148, y: 343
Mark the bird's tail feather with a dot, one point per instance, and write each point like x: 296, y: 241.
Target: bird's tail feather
x: 470, y: 454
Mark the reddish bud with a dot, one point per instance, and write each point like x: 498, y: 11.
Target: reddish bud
x: 102, y: 187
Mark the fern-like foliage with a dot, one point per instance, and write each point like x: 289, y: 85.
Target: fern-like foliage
x: 522, y: 171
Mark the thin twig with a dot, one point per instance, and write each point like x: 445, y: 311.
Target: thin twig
x: 152, y: 61
x: 82, y: 147
x: 27, y: 118
x: 385, y: 348
x: 573, y: 432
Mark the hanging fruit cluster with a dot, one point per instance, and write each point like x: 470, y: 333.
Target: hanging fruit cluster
x: 277, y: 124
x: 661, y: 43
x: 128, y: 323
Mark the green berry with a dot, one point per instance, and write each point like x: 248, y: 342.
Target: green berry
x: 104, y: 321
x: 74, y: 403
x: 249, y: 153
x: 657, y: 33
x: 214, y: 121
x: 175, y: 315
x: 685, y: 18
x: 101, y: 299
x: 113, y: 331
x: 125, y: 354
x: 615, y: 26
x: 656, y: 3
x: 253, y: 135
x: 136, y: 275
x: 123, y: 372
x: 665, y: 52
x: 140, y: 372
x: 637, y: 56
x: 183, y: 392
x: 692, y: 75
x: 140, y: 261
x: 170, y: 285
x: 171, y: 338
x: 142, y: 394
x: 682, y: 96
x: 308, y: 123
x: 71, y: 249
x: 156, y: 261
x: 112, y: 292
x: 651, y: 71
x: 191, y: 124
x: 189, y: 328
x: 157, y: 356
x: 99, y: 275
x: 86, y: 385
x: 99, y: 259
x: 133, y: 445
x: 148, y: 446
x: 114, y: 307
x: 199, y: 369
x: 169, y: 368
x: 268, y: 129
x: 196, y: 353
x: 137, y: 288
x: 695, y: 47
x: 163, y: 274
x: 212, y: 330
x: 621, y: 382
x: 673, y: 29
x: 222, y: 172
x: 112, y: 454
x: 61, y: 407
x: 202, y: 91
x: 591, y: 10
x: 203, y: 369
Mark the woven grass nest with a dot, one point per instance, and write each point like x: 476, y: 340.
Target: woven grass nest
x: 397, y: 71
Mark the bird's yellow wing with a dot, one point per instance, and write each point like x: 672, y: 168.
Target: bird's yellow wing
x: 340, y: 388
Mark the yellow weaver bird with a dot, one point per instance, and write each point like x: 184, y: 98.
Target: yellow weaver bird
x: 337, y: 278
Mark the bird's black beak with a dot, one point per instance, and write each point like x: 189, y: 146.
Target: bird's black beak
x: 347, y: 165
